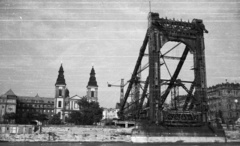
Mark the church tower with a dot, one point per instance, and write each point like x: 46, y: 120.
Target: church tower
x: 60, y: 94
x: 92, y: 87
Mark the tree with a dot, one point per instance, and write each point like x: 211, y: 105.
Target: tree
x: 75, y: 117
x: 88, y: 114
x: 91, y: 111
x: 41, y: 117
x: 28, y: 117
x: 55, y: 119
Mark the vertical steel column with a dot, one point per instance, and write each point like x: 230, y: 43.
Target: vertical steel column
x: 144, y: 94
x: 200, y: 77
x: 154, y: 76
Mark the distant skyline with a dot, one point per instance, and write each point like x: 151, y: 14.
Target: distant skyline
x: 37, y: 36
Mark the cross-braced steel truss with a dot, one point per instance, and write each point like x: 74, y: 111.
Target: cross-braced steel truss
x: 159, y: 32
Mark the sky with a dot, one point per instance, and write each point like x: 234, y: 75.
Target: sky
x: 36, y: 36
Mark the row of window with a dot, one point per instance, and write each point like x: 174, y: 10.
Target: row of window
x: 75, y: 105
x: 224, y: 92
x: 36, y: 101
x: 35, y: 105
x: 35, y: 110
x: 7, y: 100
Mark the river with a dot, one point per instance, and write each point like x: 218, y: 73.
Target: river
x: 111, y: 144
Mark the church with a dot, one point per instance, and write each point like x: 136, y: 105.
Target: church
x: 64, y: 104
x: 61, y: 103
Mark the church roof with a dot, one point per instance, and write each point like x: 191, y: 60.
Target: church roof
x: 76, y: 97
x: 92, y: 80
x: 60, y: 79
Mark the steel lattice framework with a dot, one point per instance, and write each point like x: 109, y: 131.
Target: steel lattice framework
x: 159, y: 32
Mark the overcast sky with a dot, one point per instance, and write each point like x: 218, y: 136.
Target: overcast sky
x: 37, y: 35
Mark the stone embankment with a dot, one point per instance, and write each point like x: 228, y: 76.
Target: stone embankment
x: 72, y: 134
x: 83, y: 134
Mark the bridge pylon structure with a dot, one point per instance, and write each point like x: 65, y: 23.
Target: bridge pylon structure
x: 194, y: 110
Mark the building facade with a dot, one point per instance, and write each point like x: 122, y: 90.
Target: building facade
x: 11, y: 103
x: 37, y: 104
x: 63, y: 103
x: 8, y: 103
x: 223, y: 101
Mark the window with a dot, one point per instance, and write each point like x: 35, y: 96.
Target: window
x: 60, y: 92
x: 92, y: 93
x: 75, y: 105
x: 59, y: 103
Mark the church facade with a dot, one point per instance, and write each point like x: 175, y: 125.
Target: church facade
x: 64, y: 104
x: 61, y: 102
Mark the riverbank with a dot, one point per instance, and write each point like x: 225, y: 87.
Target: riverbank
x: 86, y: 134
x: 72, y: 134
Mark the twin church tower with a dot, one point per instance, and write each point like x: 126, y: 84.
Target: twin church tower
x: 63, y: 103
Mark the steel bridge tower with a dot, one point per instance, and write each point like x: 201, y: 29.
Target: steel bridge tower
x: 159, y: 32
x: 156, y: 122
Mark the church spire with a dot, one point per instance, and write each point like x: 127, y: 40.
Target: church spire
x: 60, y: 79
x: 92, y: 80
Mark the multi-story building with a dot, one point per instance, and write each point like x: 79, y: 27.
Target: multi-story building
x: 37, y: 104
x: 224, y: 102
x: 11, y: 103
x: 7, y: 103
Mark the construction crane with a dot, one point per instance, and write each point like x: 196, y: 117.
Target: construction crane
x: 122, y: 85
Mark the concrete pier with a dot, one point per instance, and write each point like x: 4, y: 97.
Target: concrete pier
x: 160, y: 134
x: 175, y: 139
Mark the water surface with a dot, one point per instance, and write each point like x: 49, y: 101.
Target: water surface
x: 110, y: 144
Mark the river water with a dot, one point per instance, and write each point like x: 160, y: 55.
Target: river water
x: 111, y: 144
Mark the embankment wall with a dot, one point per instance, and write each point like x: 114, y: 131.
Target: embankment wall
x: 72, y: 134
